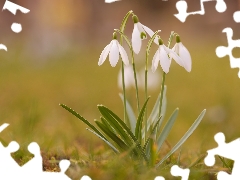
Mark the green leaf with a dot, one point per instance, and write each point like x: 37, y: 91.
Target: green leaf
x: 139, y: 148
x: 131, y: 116
x: 111, y: 135
x: 185, y: 137
x: 104, y: 121
x: 166, y: 129
x: 83, y: 120
x: 153, y: 131
x: 106, y: 141
x: 114, y: 124
x: 154, y: 114
x: 138, y: 129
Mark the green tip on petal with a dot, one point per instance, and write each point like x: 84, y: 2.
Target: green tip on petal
x: 160, y: 41
x: 143, y: 35
x: 114, y: 35
x: 178, y: 40
x: 135, y: 19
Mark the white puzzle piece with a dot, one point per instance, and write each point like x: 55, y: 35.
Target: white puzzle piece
x: 177, y: 171
x: 228, y: 150
x: 182, y: 9
x: 222, y: 51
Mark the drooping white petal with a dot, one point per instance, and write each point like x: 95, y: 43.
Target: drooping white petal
x: 185, y: 56
x: 123, y: 54
x: 150, y: 33
x: 178, y: 59
x: 104, y: 54
x: 155, y: 61
x: 176, y: 48
x: 164, y: 60
x: 114, y: 53
x: 141, y: 30
x: 136, y: 39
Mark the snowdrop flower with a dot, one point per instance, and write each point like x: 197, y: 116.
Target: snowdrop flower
x: 139, y: 33
x: 184, y: 54
x: 113, y: 49
x: 162, y: 56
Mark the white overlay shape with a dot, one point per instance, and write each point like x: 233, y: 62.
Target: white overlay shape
x: 182, y: 6
x: 177, y: 171
x: 17, y: 28
x: 12, y: 7
x: 222, y: 51
x: 228, y: 150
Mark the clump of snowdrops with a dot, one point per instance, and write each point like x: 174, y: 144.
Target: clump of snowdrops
x: 140, y: 135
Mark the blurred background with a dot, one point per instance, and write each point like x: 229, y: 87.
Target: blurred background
x: 54, y: 60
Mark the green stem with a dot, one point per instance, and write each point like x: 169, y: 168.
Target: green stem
x: 133, y: 64
x: 122, y: 27
x: 164, y: 77
x: 146, y: 76
x: 161, y: 95
x: 124, y: 94
x: 136, y: 83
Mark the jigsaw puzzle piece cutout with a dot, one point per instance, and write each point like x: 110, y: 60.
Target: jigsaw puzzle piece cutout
x: 228, y: 150
x: 221, y: 6
x: 236, y: 16
x: 111, y: 1
x: 157, y: 178
x: 182, y: 6
x: 88, y: 178
x: 177, y: 171
x: 12, y: 7
x: 3, y: 126
x: 2, y: 46
x: 7, y: 164
x: 222, y: 51
x: 35, y: 164
x: 182, y: 11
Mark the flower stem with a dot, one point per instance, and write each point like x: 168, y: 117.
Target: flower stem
x: 161, y: 95
x: 133, y: 65
x: 122, y: 27
x: 124, y: 94
x: 136, y: 83
x: 164, y: 77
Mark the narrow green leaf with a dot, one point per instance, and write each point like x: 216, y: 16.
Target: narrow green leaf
x: 139, y: 148
x: 153, y: 152
x: 131, y: 116
x: 154, y: 114
x: 106, y: 141
x: 111, y: 135
x: 153, y: 131
x: 185, y: 137
x: 138, y: 129
x: 166, y: 129
x: 118, y: 128
x: 104, y: 121
x: 83, y: 120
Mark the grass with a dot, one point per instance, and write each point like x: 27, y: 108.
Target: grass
x: 31, y: 93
